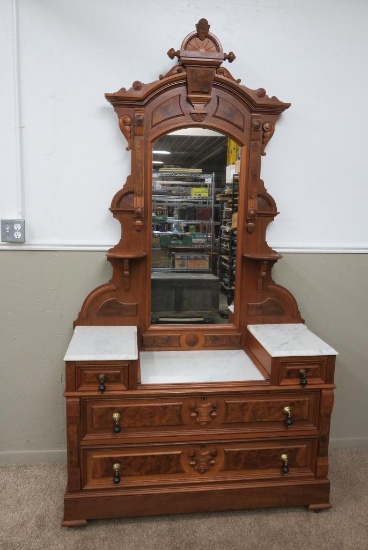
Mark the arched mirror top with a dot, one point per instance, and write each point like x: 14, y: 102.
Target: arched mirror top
x: 198, y: 92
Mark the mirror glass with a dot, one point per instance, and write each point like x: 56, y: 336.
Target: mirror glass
x: 194, y: 212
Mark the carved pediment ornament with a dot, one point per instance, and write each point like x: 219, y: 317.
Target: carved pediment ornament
x: 201, y: 54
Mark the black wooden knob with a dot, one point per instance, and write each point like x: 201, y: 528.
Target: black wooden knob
x: 116, y: 418
x: 102, y: 380
x: 116, y: 468
x: 303, y: 378
x: 288, y: 420
x: 285, y: 459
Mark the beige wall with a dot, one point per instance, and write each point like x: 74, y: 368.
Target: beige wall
x: 41, y: 294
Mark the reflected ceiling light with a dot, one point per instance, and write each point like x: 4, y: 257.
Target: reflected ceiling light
x: 161, y: 152
x: 157, y: 162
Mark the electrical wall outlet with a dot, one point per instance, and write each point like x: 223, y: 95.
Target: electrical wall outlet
x: 13, y: 231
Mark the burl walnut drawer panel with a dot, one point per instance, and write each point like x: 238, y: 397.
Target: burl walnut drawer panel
x: 285, y: 411
x: 305, y: 371
x: 102, y: 377
x: 197, y: 463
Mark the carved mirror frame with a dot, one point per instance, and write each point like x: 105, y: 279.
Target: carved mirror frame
x: 197, y: 92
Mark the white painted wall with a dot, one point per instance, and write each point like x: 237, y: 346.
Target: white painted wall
x: 61, y: 168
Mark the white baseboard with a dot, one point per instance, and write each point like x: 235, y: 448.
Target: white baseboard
x: 283, y: 248
x: 59, y: 456
x: 33, y: 457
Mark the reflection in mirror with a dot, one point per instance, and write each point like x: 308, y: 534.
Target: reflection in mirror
x: 194, y: 214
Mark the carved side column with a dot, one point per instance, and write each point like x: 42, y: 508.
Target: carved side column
x: 73, y: 422
x: 327, y: 400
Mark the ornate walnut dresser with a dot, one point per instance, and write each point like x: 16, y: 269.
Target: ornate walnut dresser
x: 188, y: 416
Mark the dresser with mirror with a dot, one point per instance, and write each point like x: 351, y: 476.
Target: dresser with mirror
x: 192, y: 382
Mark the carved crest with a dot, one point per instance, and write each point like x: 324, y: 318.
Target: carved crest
x: 201, y: 54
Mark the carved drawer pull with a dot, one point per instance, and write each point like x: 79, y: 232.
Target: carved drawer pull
x: 102, y: 380
x: 202, y: 459
x: 288, y: 420
x: 203, y: 412
x: 285, y: 459
x: 303, y: 378
x: 116, y: 468
x: 116, y: 418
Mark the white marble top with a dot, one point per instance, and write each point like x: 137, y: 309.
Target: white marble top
x: 286, y: 340
x: 181, y: 367
x: 102, y: 344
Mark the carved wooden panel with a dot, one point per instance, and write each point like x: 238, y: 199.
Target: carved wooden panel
x: 168, y: 109
x: 226, y: 110
x: 137, y: 466
x: 224, y: 341
x: 136, y: 415
x: 186, y: 339
x: 266, y: 409
x: 161, y: 341
x: 267, y: 458
x: 115, y: 308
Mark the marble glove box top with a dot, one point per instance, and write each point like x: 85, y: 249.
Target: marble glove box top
x: 287, y: 340
x: 103, y: 344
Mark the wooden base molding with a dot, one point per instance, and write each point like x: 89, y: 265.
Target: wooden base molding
x: 196, y: 500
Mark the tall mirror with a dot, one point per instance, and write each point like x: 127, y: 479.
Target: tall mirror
x: 195, y: 181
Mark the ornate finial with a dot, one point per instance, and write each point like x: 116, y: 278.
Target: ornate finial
x: 203, y: 29
x: 172, y: 53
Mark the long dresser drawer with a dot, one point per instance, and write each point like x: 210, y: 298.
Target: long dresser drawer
x: 184, y: 463
x: 144, y: 417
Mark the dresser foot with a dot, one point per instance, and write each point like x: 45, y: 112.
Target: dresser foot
x: 74, y: 523
x: 318, y: 507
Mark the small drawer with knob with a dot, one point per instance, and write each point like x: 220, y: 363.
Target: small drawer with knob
x: 102, y: 377
x: 303, y: 372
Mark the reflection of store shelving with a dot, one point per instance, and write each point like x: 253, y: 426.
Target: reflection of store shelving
x: 182, y: 218
x: 228, y: 237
